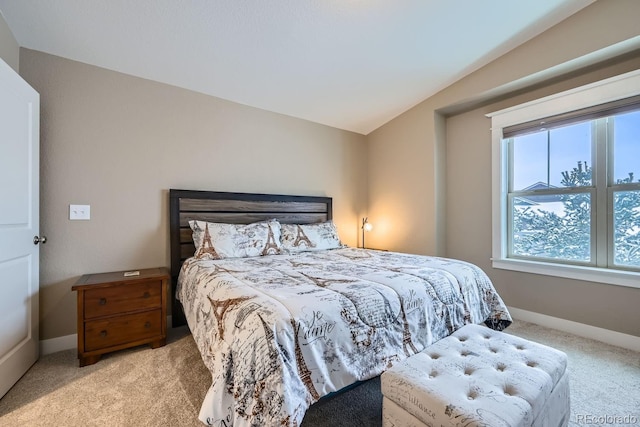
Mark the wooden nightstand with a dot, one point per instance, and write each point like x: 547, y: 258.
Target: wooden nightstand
x: 117, y: 311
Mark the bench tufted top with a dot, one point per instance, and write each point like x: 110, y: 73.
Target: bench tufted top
x: 498, y: 378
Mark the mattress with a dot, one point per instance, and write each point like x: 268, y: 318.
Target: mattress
x: 279, y: 332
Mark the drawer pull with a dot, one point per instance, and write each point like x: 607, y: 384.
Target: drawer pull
x: 103, y: 333
x: 146, y: 295
x: 103, y: 301
x: 147, y: 325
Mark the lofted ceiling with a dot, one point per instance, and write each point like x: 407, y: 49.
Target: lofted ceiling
x: 350, y: 64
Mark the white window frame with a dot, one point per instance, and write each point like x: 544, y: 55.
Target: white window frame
x: 609, y: 90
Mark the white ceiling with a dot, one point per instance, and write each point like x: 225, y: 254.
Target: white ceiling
x: 351, y: 64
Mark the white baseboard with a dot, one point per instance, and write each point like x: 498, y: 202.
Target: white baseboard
x: 618, y: 339
x: 54, y: 345
x: 68, y: 342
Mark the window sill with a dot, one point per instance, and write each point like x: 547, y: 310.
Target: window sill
x: 589, y: 274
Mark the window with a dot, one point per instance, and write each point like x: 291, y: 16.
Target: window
x: 566, y: 194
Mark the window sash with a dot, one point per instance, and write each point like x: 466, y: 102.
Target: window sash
x: 611, y: 229
x: 602, y: 226
x: 597, y: 129
x: 592, y: 226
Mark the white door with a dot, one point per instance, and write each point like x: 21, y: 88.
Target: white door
x: 19, y: 224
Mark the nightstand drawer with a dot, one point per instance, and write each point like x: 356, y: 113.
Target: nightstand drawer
x: 100, y: 334
x: 122, y: 298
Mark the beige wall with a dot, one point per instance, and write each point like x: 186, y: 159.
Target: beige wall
x: 119, y: 143
x: 9, y: 49
x: 469, y: 224
x: 409, y: 187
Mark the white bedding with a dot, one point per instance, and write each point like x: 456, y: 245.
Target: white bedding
x: 278, y: 332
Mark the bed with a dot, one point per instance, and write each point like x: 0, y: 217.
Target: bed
x: 280, y: 331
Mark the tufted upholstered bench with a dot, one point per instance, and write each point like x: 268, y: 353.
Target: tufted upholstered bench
x: 478, y: 377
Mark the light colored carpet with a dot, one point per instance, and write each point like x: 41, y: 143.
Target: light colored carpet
x: 604, y: 379
x: 165, y: 387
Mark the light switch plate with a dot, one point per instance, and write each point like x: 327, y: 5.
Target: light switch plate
x: 79, y: 212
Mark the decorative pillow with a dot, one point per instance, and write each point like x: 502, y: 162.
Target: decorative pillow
x: 310, y: 237
x: 215, y: 240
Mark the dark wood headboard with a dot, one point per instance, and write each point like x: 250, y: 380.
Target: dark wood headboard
x: 233, y: 208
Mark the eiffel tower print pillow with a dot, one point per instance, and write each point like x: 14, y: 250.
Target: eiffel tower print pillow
x: 310, y: 237
x: 217, y: 240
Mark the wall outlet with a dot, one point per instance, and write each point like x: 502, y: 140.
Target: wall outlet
x: 79, y: 212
